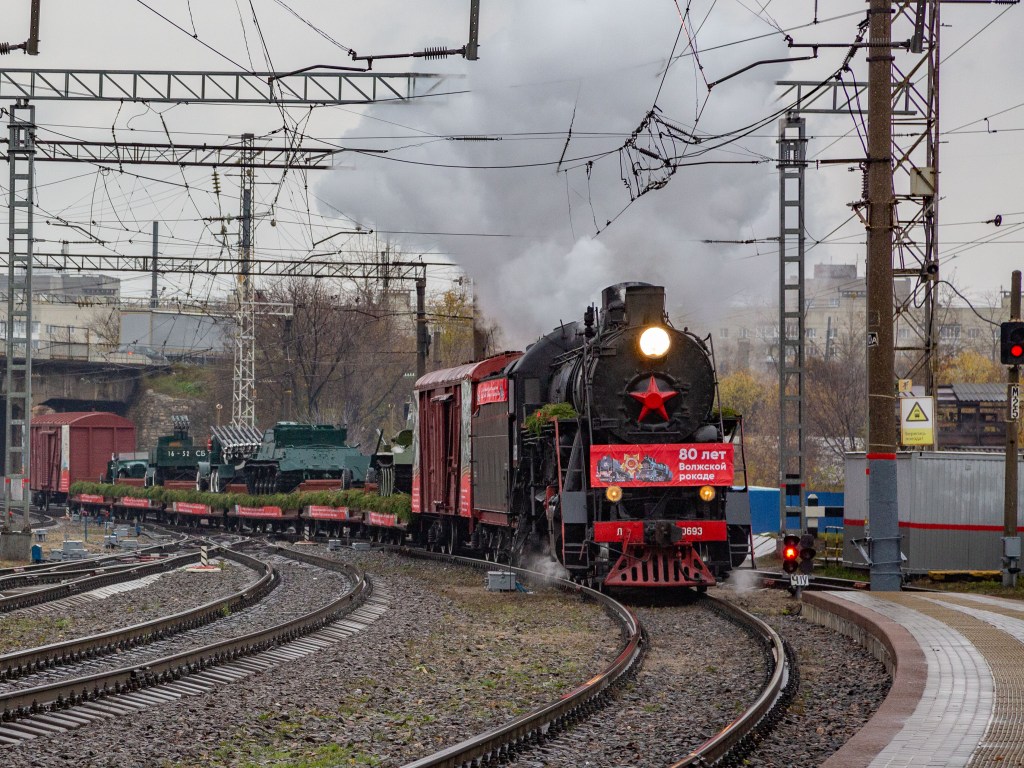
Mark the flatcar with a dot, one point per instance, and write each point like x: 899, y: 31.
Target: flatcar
x: 602, y: 447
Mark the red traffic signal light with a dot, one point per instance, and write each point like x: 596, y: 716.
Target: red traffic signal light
x: 790, y: 553
x: 1011, y: 343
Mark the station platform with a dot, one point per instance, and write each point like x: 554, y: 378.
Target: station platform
x: 957, y: 662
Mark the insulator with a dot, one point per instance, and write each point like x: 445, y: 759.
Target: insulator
x: 216, y: 182
x: 435, y: 53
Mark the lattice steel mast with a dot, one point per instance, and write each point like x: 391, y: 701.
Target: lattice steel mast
x: 243, y: 398
x: 18, y: 378
x: 792, y: 162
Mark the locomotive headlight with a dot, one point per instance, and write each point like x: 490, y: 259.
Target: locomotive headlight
x: 707, y: 493
x: 613, y: 493
x: 654, y: 341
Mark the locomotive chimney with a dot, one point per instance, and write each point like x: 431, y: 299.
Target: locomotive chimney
x: 645, y: 304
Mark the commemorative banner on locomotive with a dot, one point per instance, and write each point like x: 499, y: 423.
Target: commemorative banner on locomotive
x: 668, y: 464
x: 493, y: 391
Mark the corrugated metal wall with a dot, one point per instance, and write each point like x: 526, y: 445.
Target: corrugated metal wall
x: 950, y: 509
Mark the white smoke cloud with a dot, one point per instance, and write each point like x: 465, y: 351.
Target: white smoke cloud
x: 538, y: 63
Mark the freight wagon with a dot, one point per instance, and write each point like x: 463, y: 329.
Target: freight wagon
x: 74, y: 446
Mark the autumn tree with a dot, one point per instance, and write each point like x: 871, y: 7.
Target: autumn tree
x: 460, y: 332
x: 970, y: 367
x: 755, y: 398
x: 345, y: 356
x: 105, y: 329
x: 450, y: 315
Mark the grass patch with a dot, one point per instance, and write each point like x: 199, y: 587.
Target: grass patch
x: 182, y: 381
x: 322, y: 756
x: 17, y: 632
x: 841, y: 572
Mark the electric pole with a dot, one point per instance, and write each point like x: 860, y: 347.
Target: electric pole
x: 881, y: 453
x: 20, y: 258
x: 156, y: 244
x: 422, y: 334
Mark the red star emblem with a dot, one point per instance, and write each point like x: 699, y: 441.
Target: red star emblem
x: 653, y: 399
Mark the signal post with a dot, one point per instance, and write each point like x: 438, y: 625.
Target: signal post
x: 1011, y: 353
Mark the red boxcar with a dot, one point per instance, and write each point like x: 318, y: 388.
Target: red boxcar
x: 441, y: 483
x: 74, y: 446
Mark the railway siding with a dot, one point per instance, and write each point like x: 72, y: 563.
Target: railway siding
x: 173, y: 591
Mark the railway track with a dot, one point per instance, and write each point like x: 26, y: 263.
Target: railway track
x: 72, y: 582
x: 546, y: 722
x: 86, y: 651
x: 40, y: 570
x: 65, y: 704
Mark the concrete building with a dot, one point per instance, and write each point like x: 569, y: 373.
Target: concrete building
x: 79, y: 317
x: 834, y: 323
x: 71, y: 315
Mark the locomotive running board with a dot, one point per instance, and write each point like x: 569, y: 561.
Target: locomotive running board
x: 646, y: 566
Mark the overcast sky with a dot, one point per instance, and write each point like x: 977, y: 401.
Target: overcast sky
x: 533, y: 235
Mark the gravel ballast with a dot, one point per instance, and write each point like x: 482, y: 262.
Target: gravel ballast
x: 174, y: 591
x: 449, y: 660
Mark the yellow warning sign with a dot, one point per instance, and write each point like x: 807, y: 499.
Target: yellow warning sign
x: 916, y: 421
x: 917, y: 413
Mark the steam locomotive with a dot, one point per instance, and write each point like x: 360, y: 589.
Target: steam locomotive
x: 601, y: 447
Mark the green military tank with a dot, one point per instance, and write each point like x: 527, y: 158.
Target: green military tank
x: 291, y: 453
x: 175, y: 457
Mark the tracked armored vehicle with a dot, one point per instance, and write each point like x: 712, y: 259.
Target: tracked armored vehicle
x: 292, y: 453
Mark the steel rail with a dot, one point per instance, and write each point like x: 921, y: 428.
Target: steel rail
x: 55, y: 697
x: 88, y: 583
x: 573, y: 705
x: 20, y: 663
x: 735, y: 737
x: 86, y: 562
x: 774, y: 697
x: 39, y: 579
x: 26, y: 580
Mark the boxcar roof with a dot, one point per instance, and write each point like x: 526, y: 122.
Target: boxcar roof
x: 82, y: 419
x: 471, y: 371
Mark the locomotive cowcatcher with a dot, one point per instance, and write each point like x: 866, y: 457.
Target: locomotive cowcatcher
x: 601, y: 447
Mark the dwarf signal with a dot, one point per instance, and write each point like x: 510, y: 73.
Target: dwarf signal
x: 790, y: 553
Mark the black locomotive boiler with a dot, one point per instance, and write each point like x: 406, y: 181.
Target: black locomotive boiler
x: 601, y: 446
